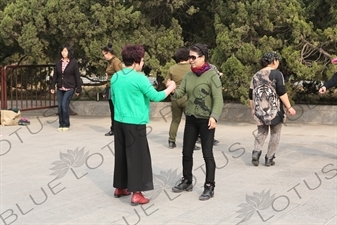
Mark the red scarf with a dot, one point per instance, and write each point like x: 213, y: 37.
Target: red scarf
x: 201, y: 69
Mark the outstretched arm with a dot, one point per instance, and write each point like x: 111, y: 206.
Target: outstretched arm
x: 329, y: 84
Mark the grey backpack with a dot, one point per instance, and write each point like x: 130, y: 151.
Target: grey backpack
x: 266, y: 100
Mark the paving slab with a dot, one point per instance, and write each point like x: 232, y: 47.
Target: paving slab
x: 64, y: 178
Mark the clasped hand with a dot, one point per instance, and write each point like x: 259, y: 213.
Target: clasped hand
x: 169, y: 83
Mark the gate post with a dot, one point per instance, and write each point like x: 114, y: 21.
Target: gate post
x: 3, y: 86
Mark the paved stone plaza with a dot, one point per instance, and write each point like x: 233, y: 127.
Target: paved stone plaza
x: 51, y: 177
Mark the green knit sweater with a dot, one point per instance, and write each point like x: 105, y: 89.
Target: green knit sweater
x: 204, y: 94
x: 131, y: 94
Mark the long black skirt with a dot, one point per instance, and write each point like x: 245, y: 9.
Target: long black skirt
x: 133, y: 169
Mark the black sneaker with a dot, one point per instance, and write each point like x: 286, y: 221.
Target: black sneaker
x: 208, y: 192
x: 184, y: 184
x: 256, y: 157
x: 215, y: 142
x: 172, y: 144
x: 110, y: 133
x: 196, y: 147
x: 269, y: 161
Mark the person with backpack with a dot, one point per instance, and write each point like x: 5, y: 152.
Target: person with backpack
x: 269, y: 103
x: 330, y: 83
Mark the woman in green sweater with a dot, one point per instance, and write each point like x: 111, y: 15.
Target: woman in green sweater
x: 131, y: 93
x: 204, y: 93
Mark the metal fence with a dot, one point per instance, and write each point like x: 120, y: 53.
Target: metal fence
x: 1, y: 86
x: 26, y: 87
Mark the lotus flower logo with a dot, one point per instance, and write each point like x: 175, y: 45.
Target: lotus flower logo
x: 258, y: 201
x: 164, y: 180
x: 67, y: 161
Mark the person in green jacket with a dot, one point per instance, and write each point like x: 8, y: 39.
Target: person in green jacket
x: 131, y: 93
x: 176, y: 73
x: 204, y: 106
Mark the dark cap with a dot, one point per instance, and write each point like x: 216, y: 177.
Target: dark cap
x: 270, y: 57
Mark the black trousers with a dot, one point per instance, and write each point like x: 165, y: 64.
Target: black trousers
x: 112, y: 114
x: 133, y: 169
x: 193, y: 127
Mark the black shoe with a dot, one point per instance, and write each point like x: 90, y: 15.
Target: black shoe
x: 196, y: 147
x: 208, y: 192
x: 270, y: 161
x: 256, y: 157
x: 172, y: 144
x: 184, y: 184
x: 110, y: 133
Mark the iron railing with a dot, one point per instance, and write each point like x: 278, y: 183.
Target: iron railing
x: 2, y: 87
x: 26, y: 87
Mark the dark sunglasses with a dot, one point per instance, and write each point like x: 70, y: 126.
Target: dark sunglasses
x: 193, y: 57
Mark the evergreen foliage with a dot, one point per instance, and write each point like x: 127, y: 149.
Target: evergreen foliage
x: 238, y: 32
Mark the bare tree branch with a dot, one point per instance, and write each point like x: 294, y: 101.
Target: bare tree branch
x: 326, y: 54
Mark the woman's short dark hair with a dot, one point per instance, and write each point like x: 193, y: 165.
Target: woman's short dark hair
x: 201, y: 49
x: 108, y: 48
x: 268, y: 58
x: 132, y: 54
x: 181, y: 55
x: 69, y: 49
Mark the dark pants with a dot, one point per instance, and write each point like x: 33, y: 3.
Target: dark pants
x: 63, y: 99
x: 193, y: 127
x: 133, y: 169
x: 112, y: 114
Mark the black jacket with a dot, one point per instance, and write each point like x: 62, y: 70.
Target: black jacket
x: 332, y: 82
x: 70, y: 78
